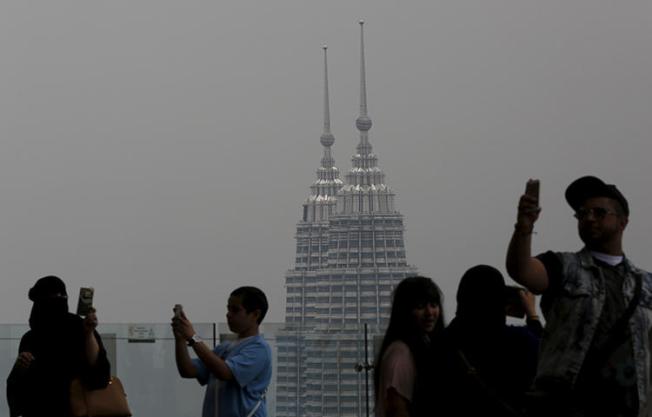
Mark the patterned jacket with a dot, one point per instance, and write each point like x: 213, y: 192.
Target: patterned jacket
x: 572, y: 318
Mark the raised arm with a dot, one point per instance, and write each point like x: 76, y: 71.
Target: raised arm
x: 216, y: 365
x: 521, y: 266
x: 92, y: 346
x: 96, y: 372
x: 183, y: 331
x: 182, y: 357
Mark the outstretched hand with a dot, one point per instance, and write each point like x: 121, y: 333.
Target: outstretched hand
x: 528, y: 207
x: 90, y: 321
x: 182, y: 327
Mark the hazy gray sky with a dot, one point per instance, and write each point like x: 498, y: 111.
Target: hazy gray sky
x: 160, y: 151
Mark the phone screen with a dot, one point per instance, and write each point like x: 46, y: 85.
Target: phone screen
x: 85, y: 303
x: 532, y: 188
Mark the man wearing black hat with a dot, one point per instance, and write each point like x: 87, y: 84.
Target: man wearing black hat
x: 595, y: 354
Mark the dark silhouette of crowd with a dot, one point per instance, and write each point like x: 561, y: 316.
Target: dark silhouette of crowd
x: 592, y: 359
x: 477, y: 364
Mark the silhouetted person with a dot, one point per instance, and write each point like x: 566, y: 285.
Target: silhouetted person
x: 404, y: 376
x: 488, y: 365
x: 59, y: 347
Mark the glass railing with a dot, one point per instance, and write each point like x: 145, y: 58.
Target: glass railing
x: 314, y: 369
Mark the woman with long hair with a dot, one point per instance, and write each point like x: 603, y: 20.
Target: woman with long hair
x: 404, y: 366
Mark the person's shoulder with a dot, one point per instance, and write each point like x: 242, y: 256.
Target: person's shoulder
x: 556, y: 263
x: 264, y: 350
x: 258, y: 339
x: 646, y: 283
x: 398, y: 347
x: 551, y: 256
x: 26, y: 339
x: 647, y: 275
x: 397, y: 356
x: 258, y: 343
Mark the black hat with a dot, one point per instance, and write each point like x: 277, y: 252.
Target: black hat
x: 46, y: 286
x: 587, y: 187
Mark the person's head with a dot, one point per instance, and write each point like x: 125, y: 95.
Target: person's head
x: 481, y: 296
x: 416, y: 306
x: 602, y: 213
x: 246, y: 309
x: 46, y: 288
x: 50, y: 301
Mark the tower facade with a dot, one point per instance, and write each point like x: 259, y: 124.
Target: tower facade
x: 350, y: 254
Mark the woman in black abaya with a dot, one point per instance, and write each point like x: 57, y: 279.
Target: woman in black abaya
x: 59, y: 347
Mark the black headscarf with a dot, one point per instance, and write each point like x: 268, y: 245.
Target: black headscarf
x: 50, y: 307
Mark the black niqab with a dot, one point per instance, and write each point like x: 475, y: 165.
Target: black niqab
x: 56, y: 340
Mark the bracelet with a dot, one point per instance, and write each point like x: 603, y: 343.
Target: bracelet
x: 524, y: 231
x: 533, y: 317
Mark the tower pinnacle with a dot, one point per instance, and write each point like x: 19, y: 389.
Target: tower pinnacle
x: 365, y: 191
x: 322, y: 201
x: 327, y: 139
x: 363, y: 122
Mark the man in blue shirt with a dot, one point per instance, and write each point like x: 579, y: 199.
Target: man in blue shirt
x: 237, y: 372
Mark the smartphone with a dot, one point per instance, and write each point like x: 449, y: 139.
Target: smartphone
x: 513, y: 303
x: 178, y: 308
x: 85, y: 302
x: 532, y: 188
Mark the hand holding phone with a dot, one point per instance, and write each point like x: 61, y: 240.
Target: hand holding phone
x: 528, y: 207
x: 178, y: 309
x: 532, y: 190
x: 181, y: 326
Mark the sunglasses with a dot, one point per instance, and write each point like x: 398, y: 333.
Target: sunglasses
x: 598, y: 213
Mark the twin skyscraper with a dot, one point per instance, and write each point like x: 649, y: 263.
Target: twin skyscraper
x: 350, y: 254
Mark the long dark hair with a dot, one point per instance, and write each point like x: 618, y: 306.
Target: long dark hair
x: 410, y: 293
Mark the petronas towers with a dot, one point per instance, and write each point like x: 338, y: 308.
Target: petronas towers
x: 350, y: 254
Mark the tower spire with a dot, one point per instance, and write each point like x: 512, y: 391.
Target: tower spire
x: 322, y: 201
x: 363, y: 122
x: 365, y: 190
x: 327, y: 139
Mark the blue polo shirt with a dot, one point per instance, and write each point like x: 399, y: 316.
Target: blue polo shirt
x: 250, y: 361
